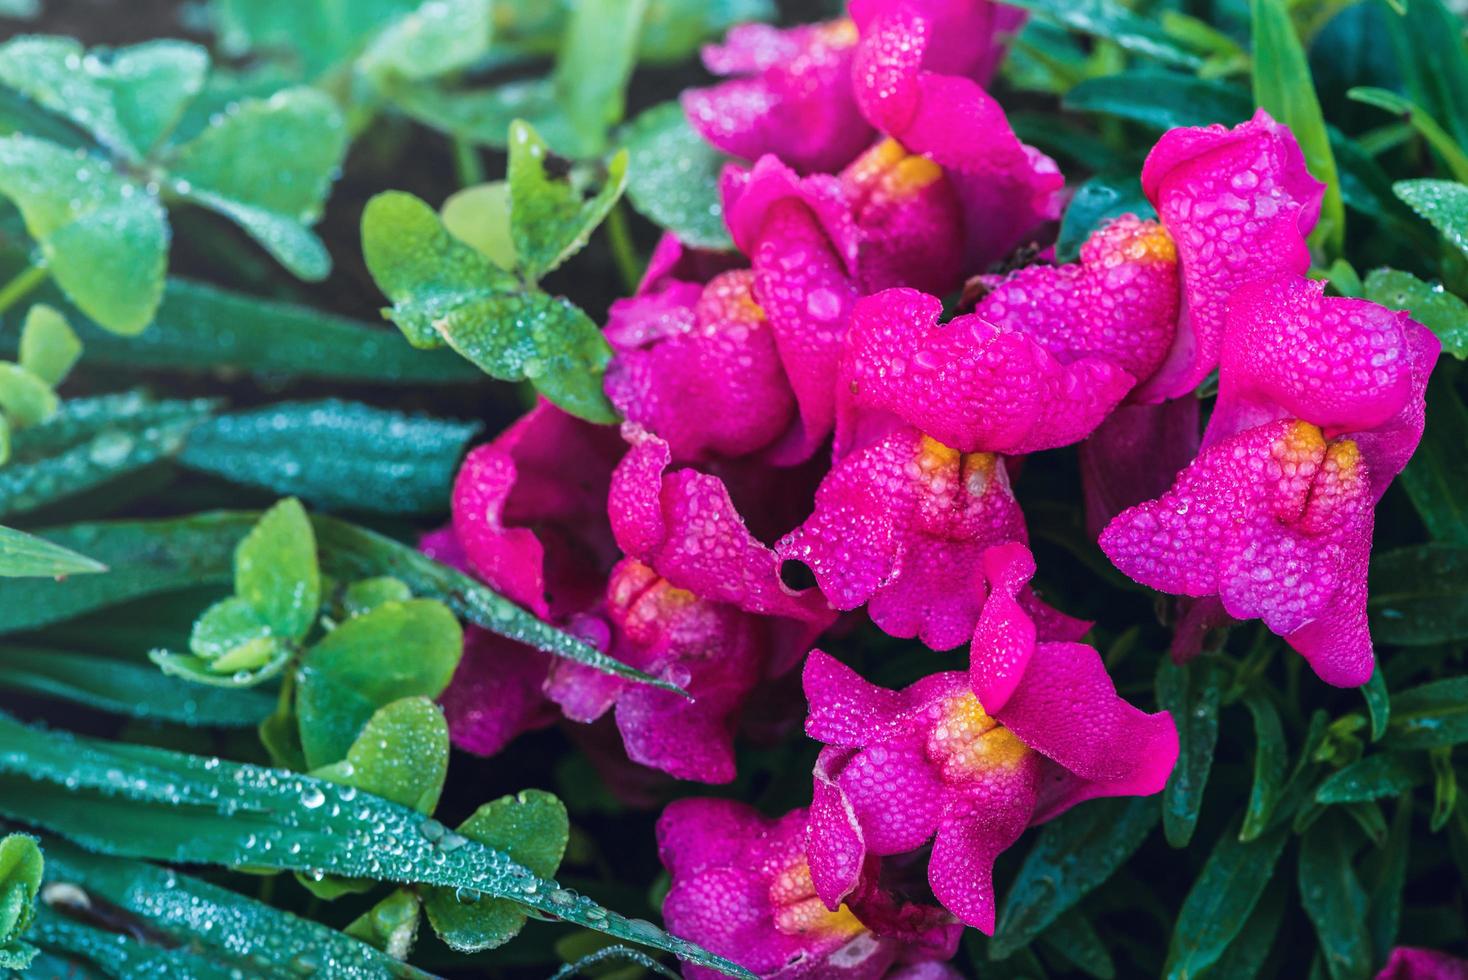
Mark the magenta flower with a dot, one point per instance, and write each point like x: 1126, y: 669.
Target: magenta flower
x: 918, y: 73
x: 930, y: 762
x: 1410, y: 963
x: 742, y: 888
x: 1274, y: 517
x: 791, y: 96
x: 1238, y: 203
x: 1135, y: 455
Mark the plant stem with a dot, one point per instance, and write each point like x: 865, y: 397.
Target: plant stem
x: 619, y: 235
x: 26, y: 280
x: 467, y: 163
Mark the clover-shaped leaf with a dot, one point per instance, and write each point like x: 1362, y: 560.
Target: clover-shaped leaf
x: 391, y: 925
x: 20, y: 879
x: 48, y: 346
x: 531, y: 826
x: 440, y: 36
x: 1442, y: 202
x: 480, y: 216
x: 275, y: 570
x: 445, y: 291
x: 366, y: 595
x: 552, y: 215
x: 673, y: 177
x: 401, y: 755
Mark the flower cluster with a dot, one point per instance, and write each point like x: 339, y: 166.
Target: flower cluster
x: 806, y: 402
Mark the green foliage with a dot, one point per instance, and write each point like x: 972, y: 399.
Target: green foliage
x: 24, y: 556
x: 20, y: 879
x: 1191, y: 693
x: 672, y: 177
x: 1442, y: 202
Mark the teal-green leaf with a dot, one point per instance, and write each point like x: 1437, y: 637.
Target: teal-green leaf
x: 27, y: 556
x: 1113, y: 21
x: 1429, y: 716
x: 1429, y: 303
x: 1191, y: 693
x: 441, y: 36
x: 391, y: 925
x: 104, y: 238
x: 48, y: 345
x: 480, y: 216
x: 1373, y: 777
x: 275, y: 570
x: 673, y: 29
x: 1071, y: 856
x: 128, y: 98
x: 1245, y: 956
x: 317, y: 35
x: 1378, y: 703
x: 1420, y: 595
x: 1096, y: 202
x: 399, y: 649
x: 597, y: 53
x: 1074, y: 940
x: 1221, y: 899
x: 673, y: 177
x: 1407, y: 110
x: 267, y: 164
x: 445, y: 291
x: 532, y: 828
x: 1428, y: 38
x: 1283, y: 87
x: 1160, y: 99
x: 1444, y: 203
x: 552, y: 215
x: 1334, y: 899
x: 401, y: 755
x: 224, y: 626
x: 1444, y: 787
x: 20, y: 880
x: 135, y: 690
x: 1270, y: 754
x: 25, y: 399
x: 181, y: 808
x: 335, y: 455
x: 1386, y: 877
x: 251, y: 663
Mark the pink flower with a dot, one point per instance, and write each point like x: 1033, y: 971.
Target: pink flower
x: 1409, y: 963
x: 1275, y: 515
x: 1238, y: 203
x: 1135, y: 455
x: 742, y: 888
x: 930, y: 762
x: 791, y: 96
x: 918, y: 74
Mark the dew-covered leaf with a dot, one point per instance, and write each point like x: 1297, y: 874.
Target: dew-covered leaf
x: 1071, y: 856
x: 1334, y: 899
x: 552, y: 211
x: 532, y: 828
x: 274, y: 195
x: 1112, y: 20
x: 276, y: 572
x: 480, y: 216
x: 1442, y: 202
x: 21, y: 868
x: 1221, y: 899
x: 1373, y: 777
x: 673, y: 177
x: 1420, y: 595
x: 231, y: 645
x: 1428, y: 38
x: 597, y: 53
x: 136, y: 801
x: 1385, y: 875
x: 441, y: 36
x: 48, y: 345
x: 132, y: 689
x: 1378, y: 703
x: 482, y: 116
x: 399, y: 649
x: 27, y: 556
x: 1160, y: 99
x: 674, y: 29
x: 128, y: 98
x: 335, y: 454
x: 366, y: 595
x: 391, y: 925
x: 25, y: 398
x: 104, y: 238
x: 1270, y: 756
x: 1429, y: 716
x: 1191, y: 693
x: 1097, y: 201
x: 401, y: 755
x: 444, y: 291
x: 1429, y: 303
x: 318, y: 35
x: 1245, y: 956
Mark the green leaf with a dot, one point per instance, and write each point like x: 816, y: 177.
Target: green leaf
x: 391, y: 925
x: 1111, y: 20
x: 366, y: 595
x: 1074, y: 940
x: 318, y: 35
x: 90, y: 441
x: 1384, y: 910
x: 128, y: 98
x: 1270, y: 753
x: 1221, y: 900
x: 130, y: 689
x: 336, y: 455
x: 20, y: 880
x: 1245, y: 956
x: 48, y: 345
x: 1444, y: 787
x: 1283, y: 87
x: 26, y: 556
x: 441, y: 36
x: 480, y: 216
x: 1373, y: 777
x: 597, y: 53
x: 1430, y: 716
x: 532, y: 828
x: 402, y: 755
x: 1420, y: 120
x: 134, y: 801
x: 1430, y: 304
x: 673, y: 29
x: 1095, y: 203
x: 1334, y: 899
x: 1420, y: 595
x: 445, y: 291
x: 275, y: 570
x: 231, y: 931
x: 483, y: 116
x: 232, y: 646
x: 105, y: 240
x: 1191, y: 693
x: 1444, y: 203
x: 274, y: 195
x: 25, y: 398
x: 1160, y: 99
x: 1378, y: 703
x: 673, y: 177
x: 363, y: 665
x: 1074, y: 854
x: 552, y: 214
x: 1428, y: 38
x: 201, y: 328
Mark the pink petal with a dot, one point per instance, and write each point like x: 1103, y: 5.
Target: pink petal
x: 1409, y: 963
x: 1135, y: 455
x: 672, y: 262
x: 495, y: 693
x: 973, y: 834
x: 834, y: 842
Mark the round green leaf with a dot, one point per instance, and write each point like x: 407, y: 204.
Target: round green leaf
x: 275, y: 570
x: 48, y: 345
x: 402, y: 755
